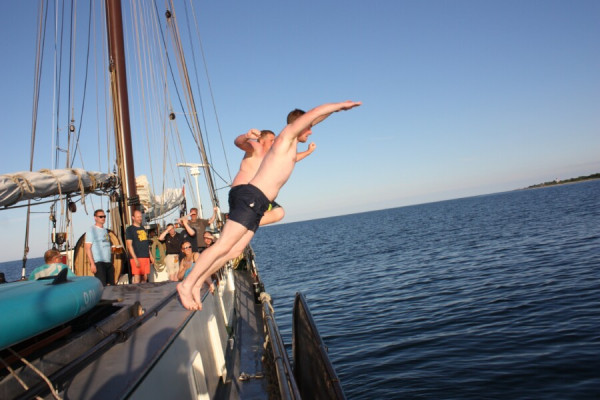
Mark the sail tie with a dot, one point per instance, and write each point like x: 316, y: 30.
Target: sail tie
x: 93, y: 184
x: 22, y: 183
x: 49, y: 172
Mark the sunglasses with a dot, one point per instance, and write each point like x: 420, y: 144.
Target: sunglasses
x: 187, y: 247
x: 101, y: 216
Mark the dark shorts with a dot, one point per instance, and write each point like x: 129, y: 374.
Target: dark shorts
x: 105, y: 272
x: 247, y: 205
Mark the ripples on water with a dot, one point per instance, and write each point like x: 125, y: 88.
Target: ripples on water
x: 486, y: 297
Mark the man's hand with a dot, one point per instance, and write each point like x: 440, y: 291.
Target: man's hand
x: 346, y: 105
x: 93, y: 268
x: 253, y: 134
x: 312, y: 146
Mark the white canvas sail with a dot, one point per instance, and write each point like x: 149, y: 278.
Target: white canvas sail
x: 157, y: 205
x: 28, y: 185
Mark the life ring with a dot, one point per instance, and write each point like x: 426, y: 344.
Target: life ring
x: 158, y: 250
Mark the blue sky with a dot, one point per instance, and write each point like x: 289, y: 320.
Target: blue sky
x: 460, y: 98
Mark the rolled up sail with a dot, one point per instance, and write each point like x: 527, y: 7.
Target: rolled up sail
x: 157, y: 205
x: 28, y: 185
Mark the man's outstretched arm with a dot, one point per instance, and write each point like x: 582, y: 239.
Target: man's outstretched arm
x: 314, y: 116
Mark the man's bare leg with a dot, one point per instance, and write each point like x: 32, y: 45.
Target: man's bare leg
x: 237, y: 249
x: 232, y: 233
x: 272, y: 216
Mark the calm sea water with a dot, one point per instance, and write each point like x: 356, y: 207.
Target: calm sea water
x: 12, y: 269
x: 490, y: 297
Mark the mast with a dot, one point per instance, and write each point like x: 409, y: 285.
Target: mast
x: 192, y: 105
x: 116, y: 49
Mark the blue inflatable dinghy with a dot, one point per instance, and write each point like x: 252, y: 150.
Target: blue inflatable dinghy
x: 32, y: 307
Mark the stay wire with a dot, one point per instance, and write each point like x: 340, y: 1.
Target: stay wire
x: 39, y: 59
x: 71, y: 75
x: 85, y: 81
x: 58, y: 85
x: 177, y: 44
x: 208, y: 81
x: 164, y: 42
x: 187, y: 19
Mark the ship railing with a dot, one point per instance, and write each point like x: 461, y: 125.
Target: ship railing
x: 285, y: 377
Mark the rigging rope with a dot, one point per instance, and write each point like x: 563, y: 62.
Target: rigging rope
x: 57, y: 82
x: 176, y: 88
x: 71, y: 94
x: 37, y: 371
x: 190, y: 100
x: 14, y: 374
x: 85, y: 80
x: 39, y: 57
x: 208, y: 81
x: 196, y: 74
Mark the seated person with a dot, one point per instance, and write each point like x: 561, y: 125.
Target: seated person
x: 53, y: 266
x: 187, y: 262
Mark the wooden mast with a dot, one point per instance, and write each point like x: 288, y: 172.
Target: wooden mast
x: 116, y: 49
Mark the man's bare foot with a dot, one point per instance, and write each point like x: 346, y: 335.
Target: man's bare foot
x: 187, y: 299
x: 197, y: 297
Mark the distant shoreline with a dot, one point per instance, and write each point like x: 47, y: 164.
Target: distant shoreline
x: 566, y: 181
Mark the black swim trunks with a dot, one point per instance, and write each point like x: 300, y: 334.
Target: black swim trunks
x: 247, y: 205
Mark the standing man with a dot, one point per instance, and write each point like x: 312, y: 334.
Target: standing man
x: 173, y: 241
x: 138, y: 245
x: 199, y: 226
x: 247, y: 203
x: 97, y: 249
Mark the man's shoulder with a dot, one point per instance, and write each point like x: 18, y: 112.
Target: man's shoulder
x: 91, y: 233
x: 131, y: 230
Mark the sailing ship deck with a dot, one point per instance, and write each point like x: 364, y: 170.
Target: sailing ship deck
x: 174, y: 335
x: 165, y: 351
